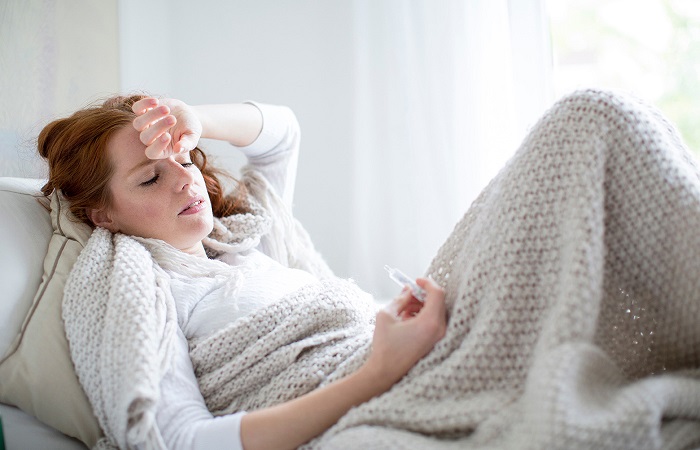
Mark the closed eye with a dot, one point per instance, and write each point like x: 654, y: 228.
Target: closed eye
x: 153, y: 180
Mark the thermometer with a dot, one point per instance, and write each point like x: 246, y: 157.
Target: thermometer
x: 403, y: 280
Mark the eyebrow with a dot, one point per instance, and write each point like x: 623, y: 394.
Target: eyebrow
x: 141, y: 165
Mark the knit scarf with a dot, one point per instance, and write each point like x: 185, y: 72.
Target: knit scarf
x: 573, y: 301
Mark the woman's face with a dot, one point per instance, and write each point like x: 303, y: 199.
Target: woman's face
x: 164, y: 199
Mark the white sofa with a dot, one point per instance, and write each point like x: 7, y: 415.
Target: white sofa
x: 26, y: 229
x: 32, y: 272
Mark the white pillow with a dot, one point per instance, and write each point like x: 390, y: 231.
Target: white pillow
x: 25, y: 230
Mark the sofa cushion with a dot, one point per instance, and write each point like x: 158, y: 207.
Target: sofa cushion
x: 25, y: 230
x: 36, y: 373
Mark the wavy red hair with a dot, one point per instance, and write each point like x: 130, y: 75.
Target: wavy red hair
x: 75, y: 148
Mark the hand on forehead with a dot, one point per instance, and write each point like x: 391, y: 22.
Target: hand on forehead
x: 166, y: 126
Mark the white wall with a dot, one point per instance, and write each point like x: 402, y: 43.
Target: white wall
x: 58, y: 55
x: 55, y: 56
x: 297, y: 53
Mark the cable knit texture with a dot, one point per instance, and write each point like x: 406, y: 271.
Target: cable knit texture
x: 573, y: 296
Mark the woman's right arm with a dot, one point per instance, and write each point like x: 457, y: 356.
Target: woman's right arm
x: 169, y: 126
x: 267, y: 135
x: 405, y: 331
x: 403, y: 335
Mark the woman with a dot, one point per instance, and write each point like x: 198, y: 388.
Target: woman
x: 571, y: 287
x: 138, y: 155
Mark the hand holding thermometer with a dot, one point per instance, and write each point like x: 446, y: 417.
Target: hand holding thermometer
x: 403, y: 280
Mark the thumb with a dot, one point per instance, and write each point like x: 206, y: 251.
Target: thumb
x: 186, y: 143
x: 435, y: 294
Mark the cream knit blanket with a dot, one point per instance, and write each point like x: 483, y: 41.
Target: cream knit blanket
x: 573, y: 287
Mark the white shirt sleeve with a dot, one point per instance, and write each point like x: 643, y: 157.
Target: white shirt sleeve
x: 182, y: 416
x: 275, y: 152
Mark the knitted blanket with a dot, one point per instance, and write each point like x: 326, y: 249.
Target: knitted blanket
x: 573, y: 296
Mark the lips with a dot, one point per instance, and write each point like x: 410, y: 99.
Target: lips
x: 194, y: 205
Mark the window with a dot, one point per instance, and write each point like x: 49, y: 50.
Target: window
x: 649, y: 47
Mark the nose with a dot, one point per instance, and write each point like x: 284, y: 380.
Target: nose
x: 183, y: 177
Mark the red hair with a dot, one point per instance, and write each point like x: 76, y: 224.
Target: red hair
x: 75, y: 148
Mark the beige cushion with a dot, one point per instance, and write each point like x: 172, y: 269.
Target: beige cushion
x: 37, y: 374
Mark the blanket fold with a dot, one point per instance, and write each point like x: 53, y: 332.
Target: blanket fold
x: 278, y: 353
x: 573, y: 296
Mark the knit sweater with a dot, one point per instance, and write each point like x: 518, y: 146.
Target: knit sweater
x: 572, y: 295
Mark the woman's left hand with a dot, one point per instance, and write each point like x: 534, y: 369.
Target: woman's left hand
x: 405, y: 331
x: 166, y: 126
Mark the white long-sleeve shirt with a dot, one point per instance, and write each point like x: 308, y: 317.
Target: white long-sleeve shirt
x: 182, y: 416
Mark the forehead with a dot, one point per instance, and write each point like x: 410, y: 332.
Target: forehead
x: 125, y: 150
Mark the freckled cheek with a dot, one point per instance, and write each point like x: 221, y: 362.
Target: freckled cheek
x: 152, y: 210
x: 143, y: 212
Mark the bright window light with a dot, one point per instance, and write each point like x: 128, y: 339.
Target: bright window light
x: 648, y: 47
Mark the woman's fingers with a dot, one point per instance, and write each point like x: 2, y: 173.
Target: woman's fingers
x: 150, y: 117
x: 141, y: 106
x: 159, y: 148
x: 407, y: 329
x: 395, y: 306
x: 406, y: 305
x: 411, y: 309
x: 434, y: 309
x: 156, y: 130
x: 187, y: 142
x: 154, y: 122
x: 166, y: 126
x: 410, y: 306
x: 150, y: 113
x: 432, y: 290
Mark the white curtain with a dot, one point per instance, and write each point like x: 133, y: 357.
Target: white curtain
x: 408, y: 107
x: 444, y: 93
